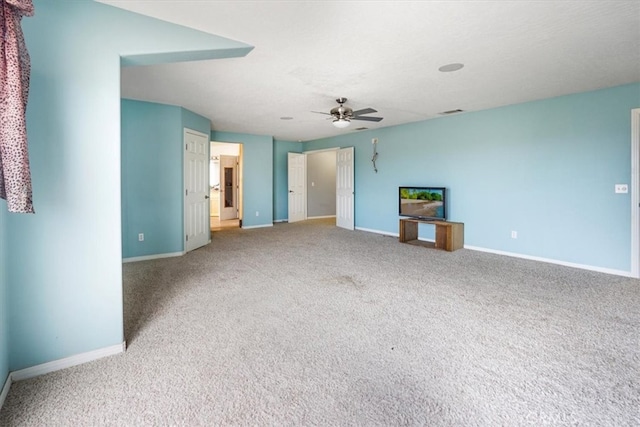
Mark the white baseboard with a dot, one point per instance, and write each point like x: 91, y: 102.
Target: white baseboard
x: 5, y: 390
x: 553, y: 261
x: 309, y: 217
x: 257, y: 226
x: 67, y: 362
x: 384, y: 233
x: 516, y: 255
x: 157, y: 256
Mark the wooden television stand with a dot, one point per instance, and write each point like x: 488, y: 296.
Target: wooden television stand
x: 449, y: 235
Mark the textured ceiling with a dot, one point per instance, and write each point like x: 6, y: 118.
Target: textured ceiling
x: 386, y: 55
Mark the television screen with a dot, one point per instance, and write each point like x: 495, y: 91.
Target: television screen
x: 423, y: 202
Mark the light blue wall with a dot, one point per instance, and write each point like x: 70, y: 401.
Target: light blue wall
x: 280, y: 182
x: 545, y: 169
x: 4, y: 303
x: 64, y: 271
x: 193, y: 121
x: 257, y: 155
x: 152, y: 176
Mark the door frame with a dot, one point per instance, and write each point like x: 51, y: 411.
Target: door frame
x: 307, y: 153
x: 240, y: 173
x: 335, y: 149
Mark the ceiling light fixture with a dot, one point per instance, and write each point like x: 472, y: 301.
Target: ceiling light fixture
x: 450, y: 67
x: 341, y: 123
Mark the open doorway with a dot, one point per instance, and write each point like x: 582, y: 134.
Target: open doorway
x: 225, y: 185
x: 321, y: 185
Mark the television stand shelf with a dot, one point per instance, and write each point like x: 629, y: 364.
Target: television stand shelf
x: 449, y: 235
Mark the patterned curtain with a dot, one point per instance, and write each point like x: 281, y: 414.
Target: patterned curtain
x: 15, y: 177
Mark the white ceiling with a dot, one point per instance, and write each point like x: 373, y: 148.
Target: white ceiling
x: 386, y: 55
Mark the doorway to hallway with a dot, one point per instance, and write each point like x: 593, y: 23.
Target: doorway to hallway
x: 225, y: 185
x: 217, y: 224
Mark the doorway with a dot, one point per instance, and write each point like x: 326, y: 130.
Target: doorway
x: 312, y: 193
x: 225, y: 183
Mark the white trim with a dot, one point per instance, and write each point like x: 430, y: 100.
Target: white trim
x: 321, y: 217
x: 384, y: 233
x: 552, y: 261
x: 320, y: 150
x: 280, y: 220
x: 515, y: 255
x: 156, y: 256
x: 256, y: 226
x: 5, y: 389
x: 635, y: 192
x: 67, y: 362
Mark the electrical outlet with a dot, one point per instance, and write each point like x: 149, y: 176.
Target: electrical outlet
x: 622, y: 188
x: 514, y: 234
x: 141, y: 237
x: 257, y: 213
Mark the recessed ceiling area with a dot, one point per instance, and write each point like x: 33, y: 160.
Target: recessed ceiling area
x: 385, y: 55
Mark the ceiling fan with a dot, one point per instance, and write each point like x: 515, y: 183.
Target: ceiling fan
x: 342, y: 115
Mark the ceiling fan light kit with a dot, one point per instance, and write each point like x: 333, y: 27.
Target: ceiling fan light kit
x: 343, y: 115
x: 341, y: 123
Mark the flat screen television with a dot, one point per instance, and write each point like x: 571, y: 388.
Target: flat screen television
x: 428, y: 203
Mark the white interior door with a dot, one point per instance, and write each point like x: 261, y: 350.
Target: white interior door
x: 196, y: 190
x: 345, y: 188
x: 297, y: 177
x: 228, y: 187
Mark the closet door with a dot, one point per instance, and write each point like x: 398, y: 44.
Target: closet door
x: 345, y: 189
x: 196, y: 190
x: 297, y: 179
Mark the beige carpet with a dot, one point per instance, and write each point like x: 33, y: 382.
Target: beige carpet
x: 308, y: 324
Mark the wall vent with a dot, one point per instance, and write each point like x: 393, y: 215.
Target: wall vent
x: 444, y: 113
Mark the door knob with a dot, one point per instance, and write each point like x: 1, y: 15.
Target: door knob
x: 206, y: 197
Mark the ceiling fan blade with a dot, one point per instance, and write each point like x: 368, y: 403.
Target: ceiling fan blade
x: 320, y: 112
x: 367, y: 118
x: 364, y: 111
